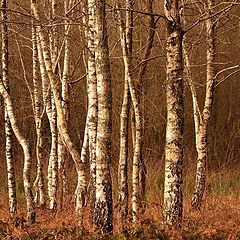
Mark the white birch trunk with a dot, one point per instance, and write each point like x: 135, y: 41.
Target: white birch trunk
x: 53, y: 159
x: 103, y: 202
x: 62, y: 153
x: 50, y: 108
x: 123, y: 156
x: 92, y: 98
x: 123, y: 194
x: 172, y: 209
x: 39, y: 182
x: 201, y: 134
x: 31, y: 213
x: 62, y: 123
x: 138, y: 126
x: 8, y: 129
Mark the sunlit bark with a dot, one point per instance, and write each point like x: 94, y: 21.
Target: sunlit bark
x: 38, y: 110
x: 62, y: 153
x: 8, y: 129
x: 103, y: 202
x: 31, y: 213
x: 124, y: 121
x: 92, y: 97
x: 204, y: 118
x: 138, y: 124
x: 62, y: 123
x: 173, y: 197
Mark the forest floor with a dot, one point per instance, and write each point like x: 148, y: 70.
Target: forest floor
x: 218, y: 219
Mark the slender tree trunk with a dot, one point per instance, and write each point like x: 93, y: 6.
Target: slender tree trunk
x: 39, y: 182
x: 123, y: 194
x: 62, y: 153
x: 92, y: 118
x: 123, y: 156
x: 103, y: 201
x: 62, y: 123
x: 201, y: 133
x: 8, y: 129
x: 53, y: 160
x: 173, y: 196
x: 31, y: 213
x: 138, y: 127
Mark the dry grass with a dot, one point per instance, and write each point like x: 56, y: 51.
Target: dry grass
x: 218, y: 219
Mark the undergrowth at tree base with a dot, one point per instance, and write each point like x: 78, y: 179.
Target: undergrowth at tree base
x: 219, y: 219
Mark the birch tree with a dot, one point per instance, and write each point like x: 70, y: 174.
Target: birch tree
x: 201, y: 119
x: 62, y: 123
x: 31, y: 213
x: 53, y: 159
x: 38, y: 112
x: 92, y: 116
x: 8, y: 129
x: 173, y: 197
x: 138, y: 125
x: 103, y: 201
x: 62, y: 153
x: 123, y: 194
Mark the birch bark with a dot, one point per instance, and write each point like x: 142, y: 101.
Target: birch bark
x: 172, y: 209
x: 92, y: 118
x: 123, y: 194
x: 31, y: 213
x: 8, y: 129
x: 138, y: 127
x: 62, y: 123
x: 103, y: 201
x: 62, y: 153
x: 39, y: 182
x: 53, y: 159
x: 204, y: 118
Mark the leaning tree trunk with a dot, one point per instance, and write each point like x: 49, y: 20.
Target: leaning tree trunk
x: 173, y: 197
x: 31, y: 213
x: 8, y: 129
x: 62, y: 123
x: 201, y: 135
x: 53, y: 159
x: 138, y: 127
x: 103, y: 202
x: 123, y: 194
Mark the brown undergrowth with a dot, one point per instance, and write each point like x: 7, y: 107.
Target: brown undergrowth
x: 218, y: 219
